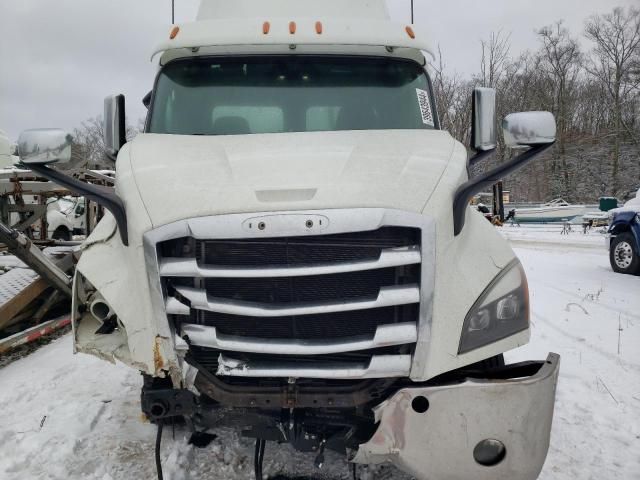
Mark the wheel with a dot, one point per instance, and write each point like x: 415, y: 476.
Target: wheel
x: 623, y: 254
x: 61, y: 233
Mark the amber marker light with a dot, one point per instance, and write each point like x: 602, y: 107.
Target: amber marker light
x: 319, y: 28
x: 292, y: 27
x: 410, y: 32
x: 266, y: 26
x: 174, y: 32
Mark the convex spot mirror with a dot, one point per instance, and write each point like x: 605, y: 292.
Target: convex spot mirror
x: 45, y: 145
x: 483, y: 126
x: 528, y: 129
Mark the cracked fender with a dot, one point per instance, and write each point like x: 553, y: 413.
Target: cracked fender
x: 119, y: 274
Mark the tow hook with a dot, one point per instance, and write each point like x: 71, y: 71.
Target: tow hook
x: 158, y: 404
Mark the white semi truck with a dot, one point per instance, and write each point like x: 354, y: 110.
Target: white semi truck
x: 290, y: 250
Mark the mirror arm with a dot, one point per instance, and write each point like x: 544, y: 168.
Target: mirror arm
x: 104, y: 196
x: 467, y: 190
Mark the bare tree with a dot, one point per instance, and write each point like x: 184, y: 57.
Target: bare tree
x: 89, y: 150
x: 560, y: 57
x: 495, y: 55
x: 615, y: 64
x: 553, y: 77
x: 452, y: 100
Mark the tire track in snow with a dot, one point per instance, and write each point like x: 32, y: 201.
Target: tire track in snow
x: 583, y: 341
x: 626, y: 313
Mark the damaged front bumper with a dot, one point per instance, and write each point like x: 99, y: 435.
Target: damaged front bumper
x: 477, y: 429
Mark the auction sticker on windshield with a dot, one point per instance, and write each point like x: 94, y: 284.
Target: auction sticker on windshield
x: 425, y: 107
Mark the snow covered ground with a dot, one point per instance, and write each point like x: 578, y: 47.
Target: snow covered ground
x: 66, y: 417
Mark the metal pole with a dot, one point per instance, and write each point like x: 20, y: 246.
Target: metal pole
x: 25, y: 250
x: 173, y: 12
x: 411, y: 12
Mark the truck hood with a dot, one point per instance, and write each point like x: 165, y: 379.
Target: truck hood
x: 190, y: 176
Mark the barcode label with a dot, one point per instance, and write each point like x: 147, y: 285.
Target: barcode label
x: 425, y: 107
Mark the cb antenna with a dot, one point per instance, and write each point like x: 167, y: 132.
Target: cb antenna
x: 411, y: 12
x: 173, y: 11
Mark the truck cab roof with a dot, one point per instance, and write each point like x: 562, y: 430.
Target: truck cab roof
x: 306, y: 26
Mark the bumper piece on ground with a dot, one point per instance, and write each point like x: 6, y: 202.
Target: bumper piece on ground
x: 481, y: 429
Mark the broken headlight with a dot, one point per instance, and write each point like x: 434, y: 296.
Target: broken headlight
x: 502, y: 310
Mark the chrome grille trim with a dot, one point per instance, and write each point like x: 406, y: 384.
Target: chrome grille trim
x: 387, y: 297
x: 385, y: 335
x: 188, y: 267
x: 379, y: 366
x: 176, y: 307
x: 234, y: 226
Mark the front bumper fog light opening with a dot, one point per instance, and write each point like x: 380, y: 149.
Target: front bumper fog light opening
x: 489, y: 452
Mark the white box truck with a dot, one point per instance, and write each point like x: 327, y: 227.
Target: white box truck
x: 290, y: 250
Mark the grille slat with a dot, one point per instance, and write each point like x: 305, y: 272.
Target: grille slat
x: 191, y: 267
x: 385, y: 335
x: 387, y: 296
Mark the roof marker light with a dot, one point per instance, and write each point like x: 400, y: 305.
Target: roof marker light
x: 266, y: 26
x: 292, y: 27
x: 174, y: 32
x: 410, y: 32
x: 319, y: 28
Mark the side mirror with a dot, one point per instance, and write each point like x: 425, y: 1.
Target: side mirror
x: 483, y: 126
x: 527, y: 129
x: 535, y: 131
x: 115, y: 128
x: 43, y: 146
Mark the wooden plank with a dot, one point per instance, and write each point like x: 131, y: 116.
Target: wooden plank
x: 10, y: 309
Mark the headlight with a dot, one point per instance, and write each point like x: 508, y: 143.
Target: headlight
x: 502, y: 310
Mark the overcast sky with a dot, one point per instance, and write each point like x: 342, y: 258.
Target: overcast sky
x: 59, y: 59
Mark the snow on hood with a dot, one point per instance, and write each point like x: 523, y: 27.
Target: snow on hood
x: 189, y: 176
x: 632, y: 205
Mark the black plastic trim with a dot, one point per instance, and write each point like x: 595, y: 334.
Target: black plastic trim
x: 467, y: 190
x: 104, y: 196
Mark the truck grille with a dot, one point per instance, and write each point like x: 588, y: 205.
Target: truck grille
x: 323, y: 306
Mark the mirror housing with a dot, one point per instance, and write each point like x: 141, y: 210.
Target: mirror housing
x: 43, y: 146
x: 527, y: 129
x: 483, y: 119
x: 115, y: 128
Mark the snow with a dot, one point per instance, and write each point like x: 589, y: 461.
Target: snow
x: 77, y: 417
x: 632, y: 205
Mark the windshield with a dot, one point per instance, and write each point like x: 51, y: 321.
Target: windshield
x: 214, y: 96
